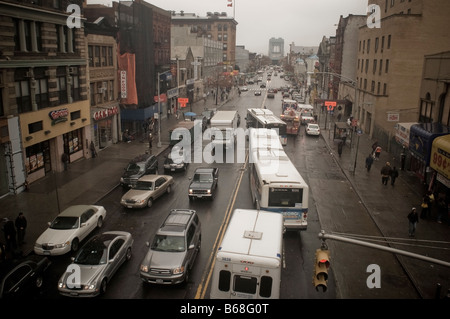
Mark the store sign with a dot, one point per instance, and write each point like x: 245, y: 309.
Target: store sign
x: 99, y: 115
x: 393, y: 117
x: 123, y: 84
x: 440, y: 156
x: 58, y: 116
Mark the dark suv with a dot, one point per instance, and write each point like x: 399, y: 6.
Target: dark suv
x: 141, y: 165
x: 173, y: 250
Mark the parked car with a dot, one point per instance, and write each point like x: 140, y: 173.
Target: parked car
x: 95, y: 264
x: 69, y: 228
x: 146, y: 190
x: 141, y: 165
x: 180, y: 164
x: 21, y: 278
x: 313, y: 129
x: 204, y: 183
x: 257, y: 92
x: 173, y: 250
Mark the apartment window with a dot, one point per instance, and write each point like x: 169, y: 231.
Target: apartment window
x: 27, y: 34
x: 426, y: 109
x: 225, y: 46
x: 387, y: 66
x: 368, y: 45
x: 381, y: 67
x: 364, y: 46
x: 392, y: 3
x: 225, y: 37
x: 103, y: 56
x: 91, y: 55
x: 384, y: 89
x: 75, y: 115
x: 367, y: 65
x: 376, y: 45
x: 35, y: 127
x: 378, y: 88
x: 97, y: 61
x: 219, y: 37
x: 382, y: 44
x: 372, y: 87
x: 374, y: 68
x: 111, y: 90
x: 92, y: 93
x: 365, y: 84
x: 41, y: 88
x: 110, y: 56
x: 61, y: 84
x: 76, y: 96
x: 389, y: 42
x: 225, y: 27
x: 22, y: 90
x: 219, y: 27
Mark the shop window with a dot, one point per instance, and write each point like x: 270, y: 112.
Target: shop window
x: 73, y: 141
x: 35, y: 157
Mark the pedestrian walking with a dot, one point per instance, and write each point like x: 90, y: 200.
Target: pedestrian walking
x: 425, y: 206
x: 65, y: 160
x: 394, y: 175
x: 377, y: 153
x: 10, y: 235
x: 385, y: 173
x: 413, y: 220
x: 340, y: 145
x: 369, y: 162
x: 21, y: 226
x: 150, y: 141
x: 93, y: 150
x: 403, y: 158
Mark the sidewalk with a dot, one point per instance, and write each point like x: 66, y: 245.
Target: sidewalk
x: 389, y: 205
x: 86, y: 181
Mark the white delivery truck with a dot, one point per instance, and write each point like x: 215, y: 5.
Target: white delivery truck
x: 248, y: 261
x: 226, y: 122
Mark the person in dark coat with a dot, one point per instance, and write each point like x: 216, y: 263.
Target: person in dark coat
x: 394, y: 175
x: 425, y: 206
x: 65, y: 160
x: 340, y: 145
x: 10, y: 235
x: 21, y: 226
x: 385, y: 173
x: 413, y: 220
x: 369, y: 162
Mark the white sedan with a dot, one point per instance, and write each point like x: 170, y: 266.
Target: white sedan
x: 313, y: 129
x: 68, y: 229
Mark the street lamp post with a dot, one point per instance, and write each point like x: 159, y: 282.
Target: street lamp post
x: 159, y: 108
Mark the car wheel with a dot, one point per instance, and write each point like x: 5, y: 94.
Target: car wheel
x: 100, y: 222
x: 39, y: 281
x: 103, y: 286
x: 128, y: 255
x: 187, y: 276
x: 75, y: 244
x: 150, y: 202
x: 169, y: 189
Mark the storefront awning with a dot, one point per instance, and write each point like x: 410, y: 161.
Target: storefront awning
x: 421, y: 138
x: 440, y: 155
x: 402, y: 133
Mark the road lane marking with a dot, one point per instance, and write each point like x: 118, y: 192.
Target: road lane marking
x: 206, y: 277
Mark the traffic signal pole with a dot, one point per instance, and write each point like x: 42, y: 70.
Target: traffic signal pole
x: 324, y: 236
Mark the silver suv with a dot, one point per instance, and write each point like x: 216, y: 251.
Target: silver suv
x: 173, y: 250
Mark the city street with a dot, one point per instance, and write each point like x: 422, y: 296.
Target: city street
x: 342, y: 202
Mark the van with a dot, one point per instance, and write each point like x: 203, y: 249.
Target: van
x: 248, y: 261
x: 226, y: 122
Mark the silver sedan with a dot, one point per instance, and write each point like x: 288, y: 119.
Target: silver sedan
x: 95, y: 264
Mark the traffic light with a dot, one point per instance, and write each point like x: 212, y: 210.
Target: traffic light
x: 322, y: 263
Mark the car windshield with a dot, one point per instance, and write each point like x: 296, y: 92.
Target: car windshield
x: 168, y: 243
x: 143, y: 186
x: 202, y: 178
x: 65, y: 222
x: 135, y: 167
x: 314, y: 126
x: 93, y: 253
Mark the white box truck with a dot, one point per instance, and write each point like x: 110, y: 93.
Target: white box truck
x: 248, y: 261
x: 226, y: 122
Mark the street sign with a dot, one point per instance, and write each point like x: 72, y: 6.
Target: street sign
x: 183, y: 101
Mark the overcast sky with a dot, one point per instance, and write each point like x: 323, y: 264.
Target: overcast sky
x: 303, y: 22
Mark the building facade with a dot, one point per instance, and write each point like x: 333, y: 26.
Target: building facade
x: 44, y: 102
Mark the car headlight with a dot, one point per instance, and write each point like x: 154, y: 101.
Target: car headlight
x: 92, y: 286
x: 190, y: 191
x: 142, y: 201
x: 178, y: 270
x: 67, y: 243
x: 144, y: 268
x: 122, y: 180
x: 209, y: 191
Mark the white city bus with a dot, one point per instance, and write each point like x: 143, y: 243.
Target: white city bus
x: 275, y: 183
x: 264, y: 118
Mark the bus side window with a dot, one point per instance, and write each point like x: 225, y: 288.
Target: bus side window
x: 224, y: 280
x: 265, y: 289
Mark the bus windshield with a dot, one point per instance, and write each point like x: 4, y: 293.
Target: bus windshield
x: 285, y: 197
